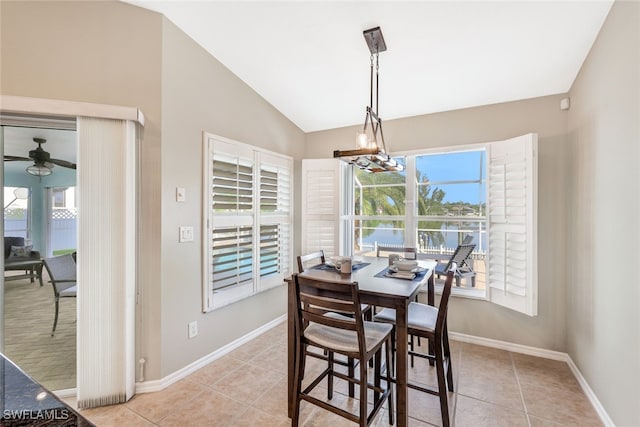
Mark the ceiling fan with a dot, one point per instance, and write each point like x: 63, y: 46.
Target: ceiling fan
x: 42, y: 161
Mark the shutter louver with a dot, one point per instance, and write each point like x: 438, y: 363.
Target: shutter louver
x: 320, y: 210
x: 512, y: 212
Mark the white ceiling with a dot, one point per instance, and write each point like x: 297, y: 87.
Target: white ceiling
x: 310, y: 60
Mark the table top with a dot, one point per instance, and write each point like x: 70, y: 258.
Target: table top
x: 26, y: 403
x: 368, y: 283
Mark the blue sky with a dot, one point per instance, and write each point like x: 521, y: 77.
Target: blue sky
x: 456, y: 167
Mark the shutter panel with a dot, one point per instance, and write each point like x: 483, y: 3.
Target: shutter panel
x: 512, y: 275
x: 247, y: 238
x: 320, y: 206
x: 275, y: 216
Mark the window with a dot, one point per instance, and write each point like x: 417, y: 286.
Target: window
x: 17, y: 217
x: 485, y: 194
x: 247, y: 238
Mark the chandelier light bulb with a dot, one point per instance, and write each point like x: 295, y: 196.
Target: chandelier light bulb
x: 362, y: 141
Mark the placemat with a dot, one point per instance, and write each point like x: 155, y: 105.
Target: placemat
x: 383, y: 273
x: 354, y: 267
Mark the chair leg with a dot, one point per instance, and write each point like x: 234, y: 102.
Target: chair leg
x: 388, y: 357
x: 297, y: 384
x: 377, y: 359
x: 442, y: 384
x: 330, y: 376
x: 363, y: 393
x: 447, y: 356
x: 55, y: 320
x: 351, y: 373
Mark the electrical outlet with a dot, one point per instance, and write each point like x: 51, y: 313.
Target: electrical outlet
x: 186, y: 234
x: 193, y: 329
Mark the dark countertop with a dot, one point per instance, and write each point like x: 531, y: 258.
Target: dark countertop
x: 24, y: 402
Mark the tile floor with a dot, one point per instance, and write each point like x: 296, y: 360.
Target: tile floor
x: 248, y: 387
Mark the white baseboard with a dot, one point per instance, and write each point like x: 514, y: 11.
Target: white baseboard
x: 157, y: 385
x: 548, y: 354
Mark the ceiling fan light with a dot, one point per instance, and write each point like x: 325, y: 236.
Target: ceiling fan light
x: 39, y: 170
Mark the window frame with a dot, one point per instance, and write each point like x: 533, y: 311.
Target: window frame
x: 278, y: 216
x: 497, y: 293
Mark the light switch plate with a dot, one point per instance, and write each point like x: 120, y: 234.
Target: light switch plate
x: 181, y: 194
x: 186, y: 234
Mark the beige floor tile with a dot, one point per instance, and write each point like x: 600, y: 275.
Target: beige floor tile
x: 248, y: 350
x: 498, y: 387
x: 116, y: 416
x: 273, y: 358
x: 539, y: 371
x: 248, y: 383
x: 541, y: 422
x: 558, y: 405
x: 216, y: 370
x: 274, y: 400
x: 256, y: 417
x: 157, y: 405
x: 476, y: 413
x: 426, y: 407
x: 209, y: 409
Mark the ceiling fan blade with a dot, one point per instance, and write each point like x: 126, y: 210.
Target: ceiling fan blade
x: 17, y: 159
x: 63, y: 163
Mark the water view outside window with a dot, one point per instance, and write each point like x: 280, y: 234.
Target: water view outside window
x: 435, y: 204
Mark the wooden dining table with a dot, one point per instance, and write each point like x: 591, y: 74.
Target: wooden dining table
x: 378, y: 291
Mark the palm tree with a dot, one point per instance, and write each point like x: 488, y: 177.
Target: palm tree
x: 383, y: 194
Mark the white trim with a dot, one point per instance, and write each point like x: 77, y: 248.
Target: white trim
x: 161, y: 384
x: 547, y: 354
x: 26, y: 105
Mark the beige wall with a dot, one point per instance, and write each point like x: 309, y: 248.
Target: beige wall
x: 603, y: 320
x: 485, y: 124
x: 115, y: 53
x: 108, y: 53
x: 199, y: 93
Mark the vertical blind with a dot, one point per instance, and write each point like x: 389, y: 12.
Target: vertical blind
x: 106, y: 261
x: 249, y: 216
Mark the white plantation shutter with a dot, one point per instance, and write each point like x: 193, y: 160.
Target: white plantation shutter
x: 320, y: 206
x: 512, y: 220
x: 275, y: 218
x: 247, y: 240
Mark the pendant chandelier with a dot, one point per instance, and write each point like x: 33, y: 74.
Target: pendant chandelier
x: 370, y: 153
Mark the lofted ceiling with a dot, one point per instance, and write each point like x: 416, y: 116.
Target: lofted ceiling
x: 309, y: 58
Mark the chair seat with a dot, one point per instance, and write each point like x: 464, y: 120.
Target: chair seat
x: 69, y: 292
x: 421, y: 316
x: 347, y: 341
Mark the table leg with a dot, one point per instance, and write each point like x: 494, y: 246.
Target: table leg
x: 402, y: 390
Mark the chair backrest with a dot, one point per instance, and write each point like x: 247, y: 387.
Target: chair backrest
x: 408, y: 253
x: 303, y: 260
x: 11, y: 241
x: 460, y: 255
x: 62, y: 271
x: 444, y: 298
x: 316, y: 297
x: 467, y: 239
